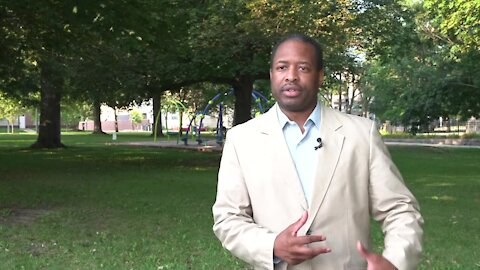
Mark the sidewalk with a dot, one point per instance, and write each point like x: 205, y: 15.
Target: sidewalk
x: 430, y: 144
x: 207, y: 146
x: 433, y: 142
x: 212, y: 145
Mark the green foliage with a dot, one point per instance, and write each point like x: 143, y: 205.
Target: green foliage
x: 231, y: 38
x: 73, y: 112
x: 10, y: 109
x: 430, y: 73
x: 136, y: 116
x: 455, y: 23
x: 412, y: 60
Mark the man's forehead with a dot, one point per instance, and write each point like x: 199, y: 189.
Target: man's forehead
x: 295, y: 49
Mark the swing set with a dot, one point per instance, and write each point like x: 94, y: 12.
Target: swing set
x: 220, y: 131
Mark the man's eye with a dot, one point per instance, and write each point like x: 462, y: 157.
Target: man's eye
x: 303, y: 69
x: 281, y: 68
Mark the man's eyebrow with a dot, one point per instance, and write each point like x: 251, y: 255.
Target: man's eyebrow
x: 300, y: 62
x: 305, y: 62
x: 281, y: 62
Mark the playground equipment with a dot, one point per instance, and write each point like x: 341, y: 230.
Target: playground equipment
x: 220, y: 129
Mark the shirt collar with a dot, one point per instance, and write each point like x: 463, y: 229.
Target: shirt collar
x: 314, y: 117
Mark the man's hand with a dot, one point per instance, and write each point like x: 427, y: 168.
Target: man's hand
x: 293, y: 249
x: 375, y: 261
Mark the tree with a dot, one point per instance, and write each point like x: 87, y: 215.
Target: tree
x: 231, y: 40
x: 136, y: 117
x: 42, y: 35
x: 73, y: 112
x: 49, y: 40
x: 10, y: 109
x: 430, y: 71
x: 454, y: 27
x: 455, y: 23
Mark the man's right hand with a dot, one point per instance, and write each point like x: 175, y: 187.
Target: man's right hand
x: 293, y: 249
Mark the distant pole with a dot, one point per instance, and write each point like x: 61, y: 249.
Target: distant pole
x: 36, y: 119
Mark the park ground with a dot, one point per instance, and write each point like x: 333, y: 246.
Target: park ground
x: 102, y: 205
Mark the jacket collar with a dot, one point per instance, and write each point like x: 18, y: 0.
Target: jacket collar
x: 328, y: 158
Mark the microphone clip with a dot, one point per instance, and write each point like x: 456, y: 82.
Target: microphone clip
x: 320, y: 144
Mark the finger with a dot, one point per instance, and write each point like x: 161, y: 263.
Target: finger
x: 307, y: 239
x: 306, y: 253
x: 297, y: 225
x: 320, y: 250
x: 362, y: 250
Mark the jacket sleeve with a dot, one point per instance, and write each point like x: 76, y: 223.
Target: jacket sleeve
x: 395, y: 207
x: 234, y: 224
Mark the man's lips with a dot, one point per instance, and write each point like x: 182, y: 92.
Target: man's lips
x: 291, y: 90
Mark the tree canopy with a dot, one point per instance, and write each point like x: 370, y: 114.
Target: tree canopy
x: 409, y: 61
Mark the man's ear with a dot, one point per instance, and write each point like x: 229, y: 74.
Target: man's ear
x: 320, y: 77
x: 270, y: 73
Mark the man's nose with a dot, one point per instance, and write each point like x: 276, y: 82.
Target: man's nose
x: 292, y: 75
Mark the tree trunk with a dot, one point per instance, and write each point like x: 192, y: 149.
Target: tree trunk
x: 97, y: 124
x: 157, y: 100
x: 180, y: 128
x: 332, y: 102
x: 242, y: 89
x: 365, y: 107
x: 9, y: 126
x: 166, y: 121
x: 116, y: 119
x: 351, y: 97
x: 49, y: 129
x: 340, y: 90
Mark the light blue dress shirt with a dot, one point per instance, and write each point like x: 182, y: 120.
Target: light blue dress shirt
x: 302, y: 147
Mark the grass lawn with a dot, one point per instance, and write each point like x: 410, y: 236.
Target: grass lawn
x: 100, y: 206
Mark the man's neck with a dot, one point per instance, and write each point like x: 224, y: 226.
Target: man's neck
x: 299, y: 117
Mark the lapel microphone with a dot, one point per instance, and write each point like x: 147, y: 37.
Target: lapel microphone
x: 320, y: 144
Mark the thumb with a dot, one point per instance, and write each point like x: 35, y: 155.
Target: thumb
x: 297, y: 225
x: 362, y: 250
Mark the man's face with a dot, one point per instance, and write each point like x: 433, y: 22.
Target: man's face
x: 294, y: 77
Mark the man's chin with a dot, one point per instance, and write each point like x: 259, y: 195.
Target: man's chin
x: 294, y: 107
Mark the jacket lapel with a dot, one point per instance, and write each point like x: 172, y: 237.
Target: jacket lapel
x: 328, y: 157
x: 283, y: 167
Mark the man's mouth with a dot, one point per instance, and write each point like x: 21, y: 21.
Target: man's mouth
x: 291, y: 90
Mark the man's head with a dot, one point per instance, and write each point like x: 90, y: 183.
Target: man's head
x: 296, y: 73
x: 305, y: 39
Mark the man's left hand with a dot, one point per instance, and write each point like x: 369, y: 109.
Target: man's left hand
x: 375, y: 261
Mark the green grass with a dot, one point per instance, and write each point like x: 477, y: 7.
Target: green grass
x: 80, y: 138
x: 446, y: 182
x: 119, y: 207
x: 110, y: 207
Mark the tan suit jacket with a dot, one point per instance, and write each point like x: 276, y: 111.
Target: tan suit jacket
x: 259, y: 195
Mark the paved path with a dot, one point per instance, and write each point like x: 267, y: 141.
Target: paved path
x: 212, y: 145
x: 433, y: 145
x: 208, y: 146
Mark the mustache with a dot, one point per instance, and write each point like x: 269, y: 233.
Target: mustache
x: 288, y: 86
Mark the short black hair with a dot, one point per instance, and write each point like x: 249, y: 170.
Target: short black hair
x: 303, y: 38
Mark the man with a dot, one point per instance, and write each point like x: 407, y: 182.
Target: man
x: 303, y: 160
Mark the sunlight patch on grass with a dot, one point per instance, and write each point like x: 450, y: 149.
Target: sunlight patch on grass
x: 70, y: 133
x: 442, y: 198
x: 444, y: 184
x: 201, y: 169
x: 133, y: 158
